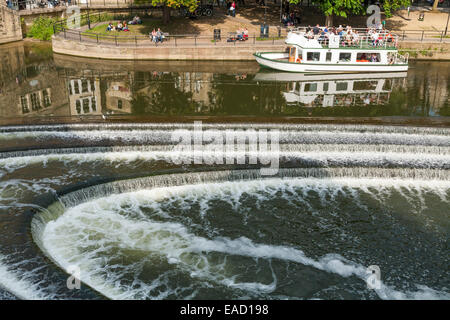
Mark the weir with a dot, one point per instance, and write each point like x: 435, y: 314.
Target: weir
x: 391, y: 180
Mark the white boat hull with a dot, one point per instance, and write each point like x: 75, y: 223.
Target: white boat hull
x: 292, y: 76
x: 270, y: 60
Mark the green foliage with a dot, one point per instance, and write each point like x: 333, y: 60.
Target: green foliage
x: 191, y: 4
x: 343, y: 8
x: 391, y: 5
x: 42, y: 28
x: 340, y: 8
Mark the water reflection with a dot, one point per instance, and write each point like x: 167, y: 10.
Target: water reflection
x: 34, y: 83
x: 328, y: 90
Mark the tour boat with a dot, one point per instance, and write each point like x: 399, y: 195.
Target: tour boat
x: 336, y: 55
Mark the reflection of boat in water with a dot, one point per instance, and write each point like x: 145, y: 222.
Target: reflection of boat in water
x: 289, y: 76
x: 328, y: 90
x: 334, y: 54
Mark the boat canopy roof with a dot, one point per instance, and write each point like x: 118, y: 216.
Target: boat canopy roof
x: 299, y: 40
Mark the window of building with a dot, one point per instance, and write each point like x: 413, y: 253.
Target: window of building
x: 325, y: 87
x: 46, y: 98
x: 86, y: 105
x: 35, y: 103
x: 313, y: 56
x: 345, y: 56
x: 76, y: 87
x: 84, y: 85
x: 94, y: 104
x: 78, y: 106
x: 119, y: 104
x: 24, y: 103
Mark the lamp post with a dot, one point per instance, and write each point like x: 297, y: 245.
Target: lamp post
x: 281, y: 10
x: 89, y: 20
x: 446, y: 27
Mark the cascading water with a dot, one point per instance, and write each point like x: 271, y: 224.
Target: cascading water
x: 110, y: 200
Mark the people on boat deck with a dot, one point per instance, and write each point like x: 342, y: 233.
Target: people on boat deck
x: 349, y: 37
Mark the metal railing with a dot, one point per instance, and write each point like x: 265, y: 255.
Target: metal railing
x: 401, y: 35
x: 277, y: 35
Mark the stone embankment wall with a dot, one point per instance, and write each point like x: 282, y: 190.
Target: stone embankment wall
x: 416, y: 50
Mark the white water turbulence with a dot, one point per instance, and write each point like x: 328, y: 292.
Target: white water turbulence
x: 110, y: 199
x: 230, y: 239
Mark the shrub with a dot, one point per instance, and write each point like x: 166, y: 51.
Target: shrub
x: 42, y: 28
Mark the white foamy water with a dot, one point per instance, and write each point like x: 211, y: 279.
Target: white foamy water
x: 21, y: 283
x: 319, y: 158
x: 87, y: 234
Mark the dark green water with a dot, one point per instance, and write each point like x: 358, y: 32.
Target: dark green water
x: 35, y: 84
x: 90, y: 178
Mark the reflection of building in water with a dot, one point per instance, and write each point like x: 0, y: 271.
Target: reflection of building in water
x: 118, y: 96
x: 35, y: 101
x: 84, y: 96
x: 29, y: 90
x: 13, y: 60
x: 200, y: 85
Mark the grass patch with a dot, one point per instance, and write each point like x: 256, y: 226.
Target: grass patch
x: 143, y: 29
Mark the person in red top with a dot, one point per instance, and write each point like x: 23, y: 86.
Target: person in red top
x: 233, y: 9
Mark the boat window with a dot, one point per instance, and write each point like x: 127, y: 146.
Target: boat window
x: 388, y: 84
x: 328, y: 57
x: 313, y: 56
x: 310, y: 87
x: 325, y: 87
x: 292, y: 53
x: 345, y: 56
x: 365, y: 85
x: 367, y: 57
x: 341, y: 86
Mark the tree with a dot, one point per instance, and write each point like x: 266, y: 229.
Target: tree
x: 170, y: 4
x: 344, y: 8
x: 392, y: 5
x: 339, y: 8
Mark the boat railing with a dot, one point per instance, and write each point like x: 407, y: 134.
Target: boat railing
x: 381, y: 41
x: 402, y: 59
x: 378, y: 40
